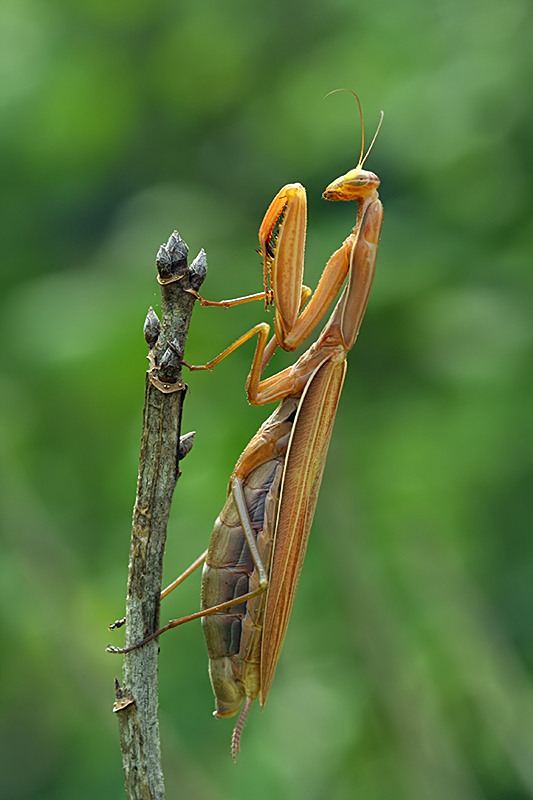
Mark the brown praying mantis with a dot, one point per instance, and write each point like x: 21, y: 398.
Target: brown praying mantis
x: 255, y: 557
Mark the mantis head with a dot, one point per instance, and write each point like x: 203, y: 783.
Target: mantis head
x: 355, y: 185
x: 358, y: 183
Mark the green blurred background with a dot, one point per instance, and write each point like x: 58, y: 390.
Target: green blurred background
x: 407, y: 670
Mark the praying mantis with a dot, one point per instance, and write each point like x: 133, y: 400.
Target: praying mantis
x: 255, y: 557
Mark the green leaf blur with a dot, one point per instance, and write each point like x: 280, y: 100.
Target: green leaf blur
x: 407, y: 669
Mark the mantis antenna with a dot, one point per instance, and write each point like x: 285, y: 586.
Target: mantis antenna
x: 381, y: 115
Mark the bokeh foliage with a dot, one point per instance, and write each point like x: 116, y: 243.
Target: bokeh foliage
x: 407, y: 671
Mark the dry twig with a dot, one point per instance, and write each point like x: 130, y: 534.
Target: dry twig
x: 137, y: 699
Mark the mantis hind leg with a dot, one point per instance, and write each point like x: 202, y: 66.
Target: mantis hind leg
x: 195, y: 564
x: 240, y: 502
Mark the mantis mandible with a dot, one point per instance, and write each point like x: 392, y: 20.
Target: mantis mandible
x: 257, y: 548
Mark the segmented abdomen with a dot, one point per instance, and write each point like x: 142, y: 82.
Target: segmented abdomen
x: 233, y: 637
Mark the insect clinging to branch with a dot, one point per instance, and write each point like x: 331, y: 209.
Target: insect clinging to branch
x: 257, y: 548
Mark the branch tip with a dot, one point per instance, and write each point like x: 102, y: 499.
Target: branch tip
x: 171, y: 260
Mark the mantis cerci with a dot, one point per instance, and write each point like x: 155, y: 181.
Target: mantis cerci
x: 257, y: 548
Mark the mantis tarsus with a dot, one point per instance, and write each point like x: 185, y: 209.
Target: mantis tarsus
x: 257, y: 548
